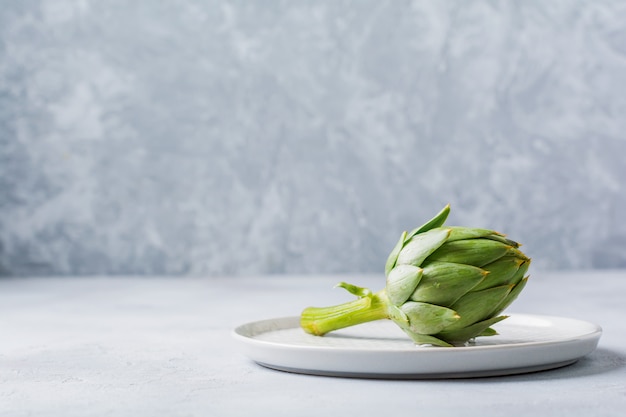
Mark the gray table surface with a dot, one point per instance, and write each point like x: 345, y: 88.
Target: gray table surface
x: 162, y: 346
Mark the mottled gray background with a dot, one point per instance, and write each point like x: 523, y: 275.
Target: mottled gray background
x: 245, y: 137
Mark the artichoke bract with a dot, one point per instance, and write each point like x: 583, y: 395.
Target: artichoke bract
x: 444, y: 286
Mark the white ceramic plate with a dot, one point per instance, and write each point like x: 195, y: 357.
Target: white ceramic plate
x: 526, y: 343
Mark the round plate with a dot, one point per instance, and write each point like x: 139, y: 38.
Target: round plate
x: 525, y: 343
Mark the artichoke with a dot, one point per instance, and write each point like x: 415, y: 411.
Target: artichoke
x: 444, y: 286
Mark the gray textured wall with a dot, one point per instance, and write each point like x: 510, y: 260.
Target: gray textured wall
x: 217, y: 137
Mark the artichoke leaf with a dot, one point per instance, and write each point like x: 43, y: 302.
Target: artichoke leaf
x: 423, y: 339
x: 501, y: 272
x: 437, y: 221
x: 478, y: 305
x: 360, y: 292
x: 393, y: 256
x: 427, y: 318
x: 476, y: 252
x: 463, y: 233
x: 466, y: 333
x: 401, y: 282
x: 443, y: 283
x: 510, y: 297
x: 420, y: 246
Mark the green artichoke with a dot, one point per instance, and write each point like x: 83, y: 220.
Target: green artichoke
x: 445, y: 286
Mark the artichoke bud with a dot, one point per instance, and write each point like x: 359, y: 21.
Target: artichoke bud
x: 444, y: 285
x: 452, y: 282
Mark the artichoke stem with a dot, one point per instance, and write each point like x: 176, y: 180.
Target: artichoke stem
x: 321, y: 320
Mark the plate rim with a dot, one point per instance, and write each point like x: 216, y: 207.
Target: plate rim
x: 473, y: 361
x: 596, y: 332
